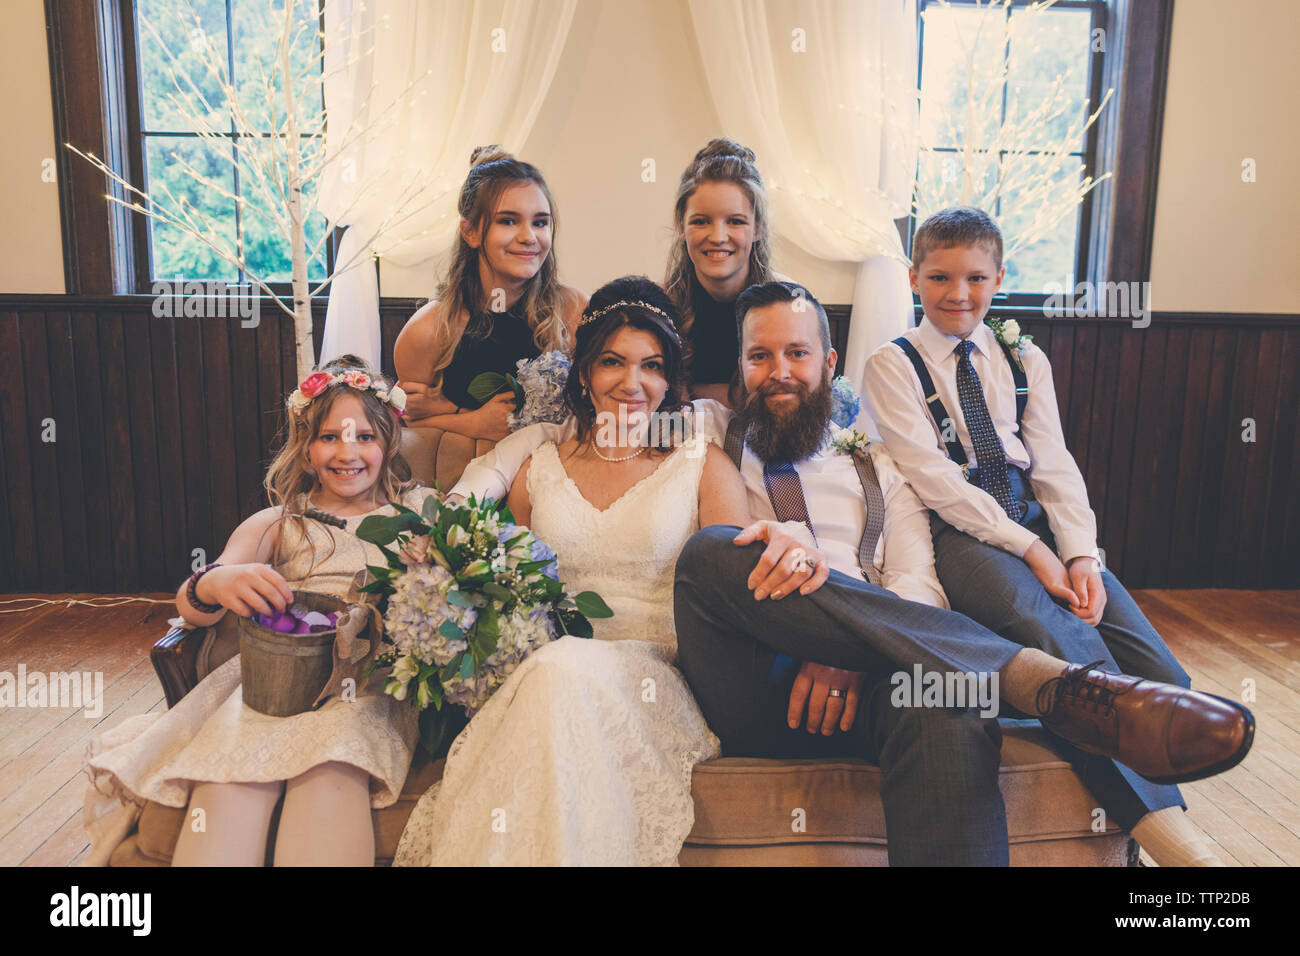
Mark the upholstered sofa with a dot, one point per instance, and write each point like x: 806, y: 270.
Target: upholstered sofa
x: 744, y: 807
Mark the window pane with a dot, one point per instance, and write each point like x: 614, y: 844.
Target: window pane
x: 175, y: 253
x: 1046, y: 46
x: 194, y: 35
x: 1052, y: 257
x: 259, y: 77
x: 954, y: 40
x: 265, y: 248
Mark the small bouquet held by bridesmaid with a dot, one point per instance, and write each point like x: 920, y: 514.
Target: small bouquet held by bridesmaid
x: 467, y: 594
x: 538, y: 386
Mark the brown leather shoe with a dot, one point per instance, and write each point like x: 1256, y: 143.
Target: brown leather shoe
x: 1166, y: 733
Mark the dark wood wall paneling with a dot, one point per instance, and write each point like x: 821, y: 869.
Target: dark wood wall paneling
x: 165, y: 426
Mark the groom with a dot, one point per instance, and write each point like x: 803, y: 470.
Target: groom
x: 742, y: 631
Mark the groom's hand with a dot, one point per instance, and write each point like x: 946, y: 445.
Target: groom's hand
x: 813, y: 687
x: 783, y: 566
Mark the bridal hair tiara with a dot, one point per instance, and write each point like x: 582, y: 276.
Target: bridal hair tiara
x: 634, y: 304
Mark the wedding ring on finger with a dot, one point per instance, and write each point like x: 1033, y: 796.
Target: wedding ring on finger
x: 802, y: 562
x: 836, y: 692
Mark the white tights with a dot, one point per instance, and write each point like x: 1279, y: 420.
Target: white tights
x: 325, y: 821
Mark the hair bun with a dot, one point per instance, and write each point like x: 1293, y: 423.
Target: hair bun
x: 487, y: 154
x: 722, y: 146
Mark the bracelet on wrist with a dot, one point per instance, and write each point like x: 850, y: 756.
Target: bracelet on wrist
x: 192, y: 590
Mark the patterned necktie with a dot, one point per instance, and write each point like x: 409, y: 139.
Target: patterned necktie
x: 990, y: 457
x: 785, y: 491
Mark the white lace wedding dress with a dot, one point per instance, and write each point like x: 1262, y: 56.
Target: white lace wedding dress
x: 584, y: 755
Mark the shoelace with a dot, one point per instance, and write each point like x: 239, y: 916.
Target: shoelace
x: 1074, y: 684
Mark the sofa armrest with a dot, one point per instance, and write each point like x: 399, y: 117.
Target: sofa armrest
x: 437, y: 456
x: 175, y: 659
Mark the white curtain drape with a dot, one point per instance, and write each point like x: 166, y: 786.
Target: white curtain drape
x: 824, y: 91
x: 411, y: 88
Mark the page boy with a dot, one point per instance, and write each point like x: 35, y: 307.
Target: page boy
x: 968, y: 411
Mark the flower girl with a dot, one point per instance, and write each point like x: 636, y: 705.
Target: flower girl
x: 228, y: 762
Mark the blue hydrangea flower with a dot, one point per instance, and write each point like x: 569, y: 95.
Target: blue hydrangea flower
x: 542, y: 380
x: 845, y: 403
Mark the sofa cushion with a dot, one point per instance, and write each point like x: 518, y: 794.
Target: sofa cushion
x: 743, y: 812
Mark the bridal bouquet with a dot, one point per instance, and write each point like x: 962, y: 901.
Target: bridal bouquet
x: 538, y: 387
x: 466, y: 595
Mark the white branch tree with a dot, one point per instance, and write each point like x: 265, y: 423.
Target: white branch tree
x: 278, y: 122
x: 1015, y: 155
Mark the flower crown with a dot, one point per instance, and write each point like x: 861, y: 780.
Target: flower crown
x: 633, y: 304
x: 316, y: 383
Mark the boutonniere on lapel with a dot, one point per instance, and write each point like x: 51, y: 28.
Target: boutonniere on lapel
x: 851, y: 442
x: 1008, y: 332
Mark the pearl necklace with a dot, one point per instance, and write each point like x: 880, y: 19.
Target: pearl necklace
x: 624, y: 458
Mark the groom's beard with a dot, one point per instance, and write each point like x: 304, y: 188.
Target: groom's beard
x: 791, y: 434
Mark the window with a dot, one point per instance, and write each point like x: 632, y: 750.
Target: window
x: 1006, y: 93
x: 188, y: 54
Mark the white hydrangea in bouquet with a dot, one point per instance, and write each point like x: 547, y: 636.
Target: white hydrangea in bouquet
x: 466, y: 595
x: 538, y: 386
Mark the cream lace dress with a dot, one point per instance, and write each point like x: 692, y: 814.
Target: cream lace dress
x: 210, y: 736
x: 584, y: 755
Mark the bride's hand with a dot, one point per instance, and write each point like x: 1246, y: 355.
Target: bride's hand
x: 786, y: 564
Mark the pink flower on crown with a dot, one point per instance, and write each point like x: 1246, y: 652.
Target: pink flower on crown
x: 356, y: 379
x: 315, y: 383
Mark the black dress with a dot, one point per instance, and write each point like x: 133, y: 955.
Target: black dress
x: 500, y: 351
x: 714, y: 339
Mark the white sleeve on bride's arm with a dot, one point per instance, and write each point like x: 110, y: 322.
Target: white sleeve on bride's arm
x: 711, y: 418
x: 490, y: 474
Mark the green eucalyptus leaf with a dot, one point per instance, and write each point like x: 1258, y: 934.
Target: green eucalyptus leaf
x: 590, y: 604
x: 575, y: 624
x: 453, y: 667
x: 485, y: 385
x: 460, y: 598
x: 377, y: 529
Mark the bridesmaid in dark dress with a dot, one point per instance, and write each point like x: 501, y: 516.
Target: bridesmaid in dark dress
x: 723, y: 245
x: 500, y: 302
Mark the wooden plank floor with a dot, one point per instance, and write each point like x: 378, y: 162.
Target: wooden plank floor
x: 1231, y: 642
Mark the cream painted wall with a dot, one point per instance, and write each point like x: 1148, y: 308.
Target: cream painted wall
x: 31, y: 246
x: 629, y: 87
x: 1222, y: 244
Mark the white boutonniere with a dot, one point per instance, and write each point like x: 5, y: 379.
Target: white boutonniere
x: 1008, y: 331
x: 850, y: 441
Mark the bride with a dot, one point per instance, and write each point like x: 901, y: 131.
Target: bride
x: 584, y: 755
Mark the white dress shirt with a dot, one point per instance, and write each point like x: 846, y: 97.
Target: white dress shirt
x: 836, y: 502
x: 897, y: 403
